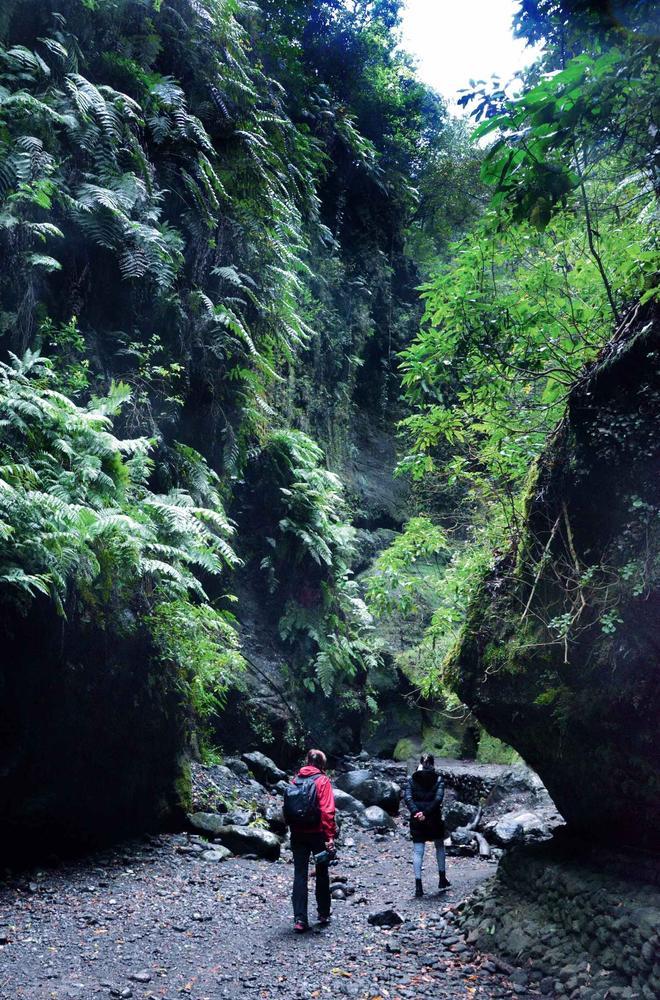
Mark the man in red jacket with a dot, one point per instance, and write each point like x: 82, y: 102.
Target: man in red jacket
x: 313, y: 831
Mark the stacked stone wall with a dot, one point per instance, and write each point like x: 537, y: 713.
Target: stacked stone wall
x: 576, y: 930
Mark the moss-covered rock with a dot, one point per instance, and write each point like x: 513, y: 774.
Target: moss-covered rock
x: 407, y: 748
x: 559, y: 656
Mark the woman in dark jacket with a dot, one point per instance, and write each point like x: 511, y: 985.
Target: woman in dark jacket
x: 423, y: 796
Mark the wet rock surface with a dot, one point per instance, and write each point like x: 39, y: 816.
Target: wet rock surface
x: 263, y: 768
x: 250, y: 840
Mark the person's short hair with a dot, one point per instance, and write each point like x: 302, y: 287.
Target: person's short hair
x: 427, y: 760
x: 317, y: 759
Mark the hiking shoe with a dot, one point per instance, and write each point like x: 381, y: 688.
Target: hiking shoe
x: 419, y: 891
x: 443, y: 884
x: 299, y: 927
x: 324, y: 921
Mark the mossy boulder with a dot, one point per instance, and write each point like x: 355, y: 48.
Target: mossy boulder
x: 407, y: 748
x: 559, y: 655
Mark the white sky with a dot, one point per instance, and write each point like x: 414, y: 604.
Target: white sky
x: 455, y: 41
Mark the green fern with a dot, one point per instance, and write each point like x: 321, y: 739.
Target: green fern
x: 71, y: 503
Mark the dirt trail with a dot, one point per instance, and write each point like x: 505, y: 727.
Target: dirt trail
x: 148, y: 920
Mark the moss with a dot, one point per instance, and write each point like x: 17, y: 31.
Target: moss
x: 494, y: 751
x: 407, y: 747
x: 526, y: 542
x: 451, y: 667
x: 441, y: 743
x: 183, y: 788
x: 496, y: 656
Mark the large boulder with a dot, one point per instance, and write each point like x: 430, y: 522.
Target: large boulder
x: 352, y: 780
x: 206, y: 822
x: 216, y: 854
x: 370, y: 789
x: 518, y: 828
x: 559, y: 654
x: 250, y: 840
x: 375, y: 818
x: 274, y: 816
x: 457, y: 814
x: 517, y: 782
x: 237, y: 767
x: 347, y: 803
x: 263, y: 768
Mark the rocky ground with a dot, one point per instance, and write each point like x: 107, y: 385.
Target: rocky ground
x: 153, y: 919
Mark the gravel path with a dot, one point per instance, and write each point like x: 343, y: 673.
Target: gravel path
x: 151, y: 920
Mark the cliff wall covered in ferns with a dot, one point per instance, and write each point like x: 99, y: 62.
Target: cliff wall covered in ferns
x: 211, y: 236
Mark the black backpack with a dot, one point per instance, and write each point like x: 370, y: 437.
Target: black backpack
x: 301, y: 802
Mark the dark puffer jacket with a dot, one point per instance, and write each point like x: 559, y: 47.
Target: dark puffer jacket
x: 424, y: 793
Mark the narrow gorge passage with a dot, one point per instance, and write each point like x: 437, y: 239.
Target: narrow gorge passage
x: 148, y: 920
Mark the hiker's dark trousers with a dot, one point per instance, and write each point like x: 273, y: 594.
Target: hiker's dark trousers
x: 302, y: 846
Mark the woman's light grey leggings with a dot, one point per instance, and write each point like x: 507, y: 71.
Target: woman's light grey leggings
x: 418, y: 857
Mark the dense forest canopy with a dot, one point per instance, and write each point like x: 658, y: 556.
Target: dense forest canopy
x: 215, y: 219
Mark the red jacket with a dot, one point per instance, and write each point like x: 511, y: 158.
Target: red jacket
x: 326, y: 799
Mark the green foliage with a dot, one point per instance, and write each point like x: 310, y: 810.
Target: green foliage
x: 106, y: 152
x: 212, y: 757
x: 203, y: 644
x: 528, y: 299
x: 508, y: 327
x: 225, y: 208
x: 79, y: 523
x: 398, y: 580
x: 406, y: 748
x: 440, y: 743
x: 75, y: 508
x: 171, y: 190
x: 597, y: 85
x: 494, y: 751
x: 313, y: 522
x: 308, y: 541
x: 66, y: 345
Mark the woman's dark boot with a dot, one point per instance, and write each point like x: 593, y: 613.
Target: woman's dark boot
x: 418, y: 887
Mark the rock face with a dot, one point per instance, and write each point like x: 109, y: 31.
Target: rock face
x: 560, y: 650
x: 91, y: 731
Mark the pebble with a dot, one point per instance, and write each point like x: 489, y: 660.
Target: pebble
x: 162, y: 900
